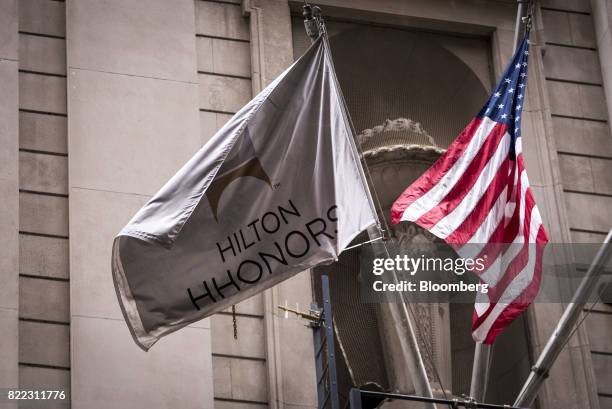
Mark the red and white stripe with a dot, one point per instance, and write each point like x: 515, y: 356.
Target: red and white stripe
x: 478, y: 199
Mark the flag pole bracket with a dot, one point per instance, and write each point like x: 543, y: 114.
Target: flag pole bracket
x: 540, y: 371
x: 322, y: 323
x: 314, y: 316
x: 312, y: 21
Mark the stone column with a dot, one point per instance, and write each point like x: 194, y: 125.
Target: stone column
x: 602, y: 16
x: 133, y: 122
x: 9, y: 191
x: 570, y: 384
x: 289, y: 343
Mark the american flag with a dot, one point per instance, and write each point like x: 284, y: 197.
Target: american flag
x: 477, y: 198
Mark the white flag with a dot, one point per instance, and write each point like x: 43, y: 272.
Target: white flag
x: 277, y: 190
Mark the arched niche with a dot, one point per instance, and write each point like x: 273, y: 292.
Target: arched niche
x: 409, y: 95
x: 388, y: 73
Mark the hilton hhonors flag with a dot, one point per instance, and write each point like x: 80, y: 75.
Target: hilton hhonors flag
x: 277, y: 190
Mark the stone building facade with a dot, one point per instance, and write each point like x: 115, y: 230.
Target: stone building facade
x: 103, y: 100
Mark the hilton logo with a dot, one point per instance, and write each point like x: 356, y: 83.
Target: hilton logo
x: 240, y: 162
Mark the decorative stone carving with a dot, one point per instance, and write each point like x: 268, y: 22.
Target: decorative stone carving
x: 402, y: 126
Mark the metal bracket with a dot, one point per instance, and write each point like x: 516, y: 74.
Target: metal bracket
x: 469, y: 402
x: 321, y: 322
x: 539, y: 371
x: 313, y: 315
x: 312, y: 20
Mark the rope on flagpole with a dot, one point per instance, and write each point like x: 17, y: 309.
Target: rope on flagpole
x: 362, y: 244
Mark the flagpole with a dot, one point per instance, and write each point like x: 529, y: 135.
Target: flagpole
x: 399, y: 312
x: 482, y: 352
x: 520, y: 14
x: 566, y: 326
x: 480, y: 371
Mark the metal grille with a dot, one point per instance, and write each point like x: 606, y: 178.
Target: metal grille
x: 357, y: 332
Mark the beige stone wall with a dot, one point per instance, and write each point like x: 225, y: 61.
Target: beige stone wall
x: 44, y: 316
x: 584, y: 146
x: 133, y: 122
x: 9, y: 185
x: 106, y: 99
x: 224, y: 77
x: 579, y: 117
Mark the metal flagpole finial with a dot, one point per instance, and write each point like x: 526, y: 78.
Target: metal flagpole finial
x: 313, y: 21
x: 524, y: 16
x: 528, y: 18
